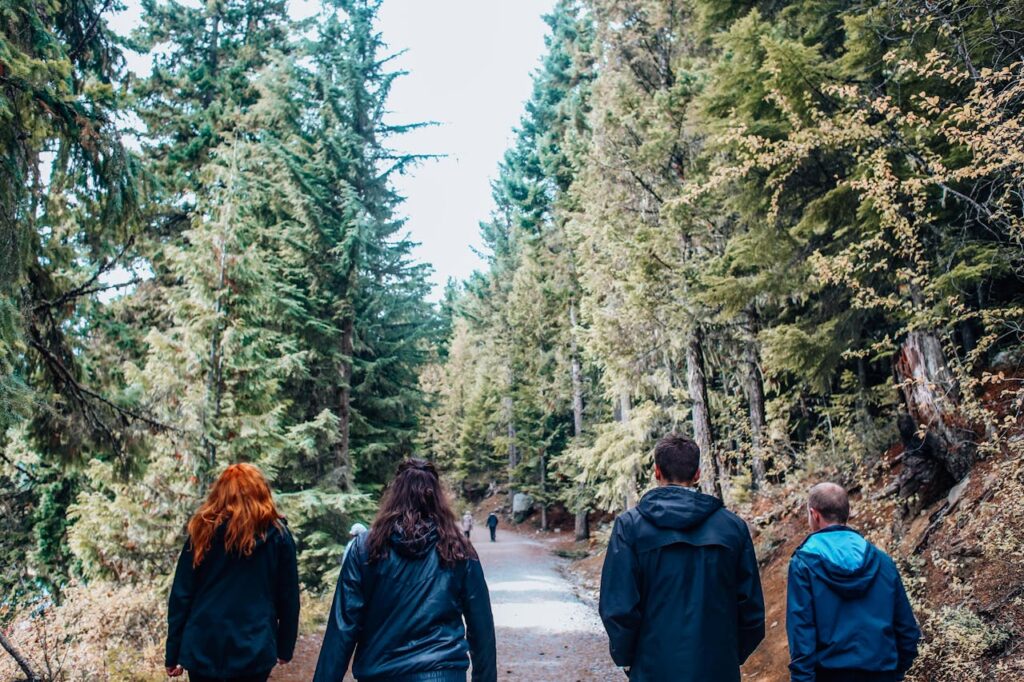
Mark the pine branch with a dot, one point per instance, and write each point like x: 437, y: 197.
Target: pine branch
x: 89, y: 287
x: 19, y: 467
x: 83, y: 394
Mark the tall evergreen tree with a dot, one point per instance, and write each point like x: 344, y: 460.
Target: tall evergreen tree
x: 68, y: 191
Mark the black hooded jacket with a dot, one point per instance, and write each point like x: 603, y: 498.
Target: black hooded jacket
x: 403, y: 617
x: 680, y: 591
x: 234, y: 615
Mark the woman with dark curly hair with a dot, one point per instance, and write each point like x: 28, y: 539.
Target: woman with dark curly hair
x: 404, y: 590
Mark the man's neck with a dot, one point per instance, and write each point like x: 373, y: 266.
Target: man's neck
x: 826, y: 526
x: 690, y: 486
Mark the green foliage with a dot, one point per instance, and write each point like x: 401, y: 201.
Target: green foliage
x: 775, y: 194
x: 272, y: 312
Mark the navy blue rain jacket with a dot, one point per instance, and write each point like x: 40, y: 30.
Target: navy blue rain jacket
x: 680, y: 591
x: 403, y: 617
x: 234, y: 615
x: 847, y: 609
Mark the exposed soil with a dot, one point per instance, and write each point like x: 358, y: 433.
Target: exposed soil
x: 929, y: 540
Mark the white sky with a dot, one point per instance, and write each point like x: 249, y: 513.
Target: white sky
x: 470, y: 65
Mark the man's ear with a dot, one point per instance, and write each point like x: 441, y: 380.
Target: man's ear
x: 696, y: 476
x: 816, y: 519
x: 658, y: 476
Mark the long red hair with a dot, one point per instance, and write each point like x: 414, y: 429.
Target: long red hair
x: 240, y: 498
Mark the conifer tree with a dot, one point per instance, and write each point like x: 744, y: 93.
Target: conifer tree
x: 68, y: 191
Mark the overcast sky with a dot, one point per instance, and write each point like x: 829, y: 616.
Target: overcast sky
x: 469, y: 64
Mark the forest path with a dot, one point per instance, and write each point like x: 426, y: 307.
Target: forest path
x: 545, y: 632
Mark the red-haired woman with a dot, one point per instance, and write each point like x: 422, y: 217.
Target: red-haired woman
x: 233, y: 612
x: 404, y: 590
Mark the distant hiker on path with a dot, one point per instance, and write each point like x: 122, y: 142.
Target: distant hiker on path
x: 847, y: 614
x: 680, y: 592
x: 233, y: 611
x: 467, y: 524
x: 404, y: 591
x: 492, y: 524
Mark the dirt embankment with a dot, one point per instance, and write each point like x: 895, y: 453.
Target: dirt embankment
x: 960, y: 559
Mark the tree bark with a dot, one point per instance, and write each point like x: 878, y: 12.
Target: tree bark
x: 754, y: 387
x: 582, y: 525
x: 631, y: 492
x: 698, y: 390
x: 543, y: 490
x: 343, y: 453
x: 513, y: 452
x: 938, y: 453
x: 22, y: 662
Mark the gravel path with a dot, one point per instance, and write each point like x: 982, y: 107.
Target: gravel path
x: 545, y: 633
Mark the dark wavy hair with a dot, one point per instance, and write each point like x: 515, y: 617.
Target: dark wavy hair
x: 413, y: 504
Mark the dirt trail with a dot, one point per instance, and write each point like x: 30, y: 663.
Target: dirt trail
x: 545, y: 633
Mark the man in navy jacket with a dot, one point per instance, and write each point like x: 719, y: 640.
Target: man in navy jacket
x: 680, y: 592
x: 847, y: 616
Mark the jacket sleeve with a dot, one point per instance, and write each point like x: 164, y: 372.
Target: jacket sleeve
x: 800, y: 625
x: 287, y: 598
x: 906, y: 630
x: 620, y: 597
x: 476, y: 608
x: 346, y: 620
x: 750, y: 600
x: 179, y: 604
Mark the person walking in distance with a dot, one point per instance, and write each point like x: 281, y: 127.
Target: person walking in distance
x: 680, y: 592
x: 492, y: 524
x: 233, y: 611
x: 847, y: 614
x: 411, y: 603
x: 355, y: 531
x: 467, y: 523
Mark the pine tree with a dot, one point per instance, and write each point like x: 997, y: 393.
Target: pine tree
x: 68, y: 191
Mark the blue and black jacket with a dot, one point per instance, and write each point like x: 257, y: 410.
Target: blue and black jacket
x: 847, y: 611
x: 401, y: 619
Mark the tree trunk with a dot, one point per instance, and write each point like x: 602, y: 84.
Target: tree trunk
x: 582, y: 526
x: 22, y: 662
x: 543, y: 490
x: 343, y: 454
x: 754, y: 387
x: 631, y: 492
x: 513, y: 452
x: 698, y: 390
x: 215, y: 378
x: 938, y: 454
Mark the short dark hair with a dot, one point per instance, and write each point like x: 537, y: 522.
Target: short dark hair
x: 831, y: 501
x: 677, y: 457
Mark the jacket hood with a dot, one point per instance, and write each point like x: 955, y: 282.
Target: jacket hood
x: 842, y: 559
x: 416, y: 544
x: 679, y: 508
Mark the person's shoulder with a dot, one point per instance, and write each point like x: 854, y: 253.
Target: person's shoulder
x: 887, y: 563
x: 280, y: 533
x: 628, y: 521
x: 731, y: 522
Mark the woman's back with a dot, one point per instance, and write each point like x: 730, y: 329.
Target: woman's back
x: 235, y: 611
x: 234, y: 605
x: 400, y: 609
